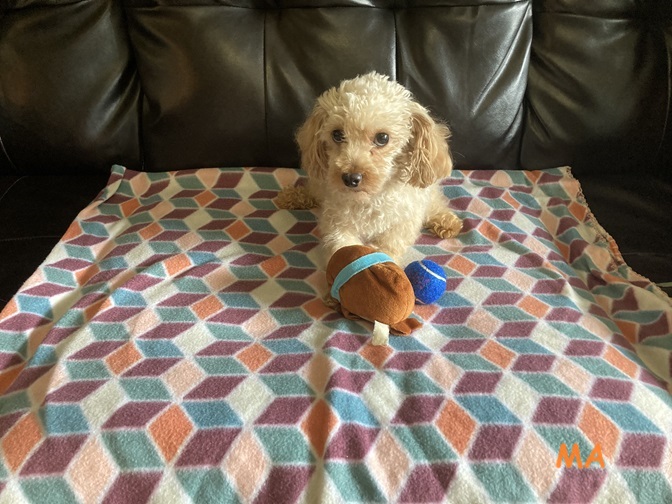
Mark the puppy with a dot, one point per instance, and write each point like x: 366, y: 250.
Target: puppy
x: 374, y: 157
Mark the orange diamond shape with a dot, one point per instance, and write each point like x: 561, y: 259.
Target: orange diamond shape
x: 169, y: 430
x: 497, y: 354
x: 152, y: 230
x: 207, y: 307
x: 376, y: 354
x: 318, y: 424
x: 123, y: 358
x: 273, y: 265
x: 461, y: 264
x: 254, y: 356
x: 456, y: 425
x: 205, y: 197
x: 237, y: 230
x: 533, y: 306
x: 20, y: 440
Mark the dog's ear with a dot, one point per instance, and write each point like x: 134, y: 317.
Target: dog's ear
x: 427, y: 153
x: 313, y: 150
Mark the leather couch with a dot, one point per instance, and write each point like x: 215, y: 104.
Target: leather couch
x: 173, y: 84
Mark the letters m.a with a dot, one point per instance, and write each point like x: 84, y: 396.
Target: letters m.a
x: 575, y: 455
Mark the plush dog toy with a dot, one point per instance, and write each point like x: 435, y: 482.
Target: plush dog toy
x: 367, y: 284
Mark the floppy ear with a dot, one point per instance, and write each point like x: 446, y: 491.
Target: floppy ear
x: 313, y: 151
x: 428, y: 155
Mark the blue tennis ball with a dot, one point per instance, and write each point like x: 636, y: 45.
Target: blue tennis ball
x: 428, y: 280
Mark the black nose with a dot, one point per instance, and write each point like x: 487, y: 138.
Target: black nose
x: 352, y: 179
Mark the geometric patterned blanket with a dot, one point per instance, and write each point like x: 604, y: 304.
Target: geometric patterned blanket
x: 174, y: 347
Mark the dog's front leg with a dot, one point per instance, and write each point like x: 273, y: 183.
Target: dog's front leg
x: 331, y: 242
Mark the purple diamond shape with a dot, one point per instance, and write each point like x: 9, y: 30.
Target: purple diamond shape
x: 353, y: 381
x: 578, y: 485
x: 557, y: 410
x: 495, y: 442
x: 134, y: 414
x: 215, y: 387
x: 284, y: 484
x: 477, y: 382
x: 351, y: 442
x: 287, y: 363
x: 516, y: 329
x: 285, y: 411
x: 468, y: 345
x: 584, y: 348
x: 608, y: 388
x: 534, y: 363
x: 53, y: 455
x: 407, y: 361
x: 418, y: 409
x: 207, y: 447
x: 642, y: 450
x: 428, y: 483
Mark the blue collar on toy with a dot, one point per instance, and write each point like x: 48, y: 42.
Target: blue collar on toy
x: 355, y: 267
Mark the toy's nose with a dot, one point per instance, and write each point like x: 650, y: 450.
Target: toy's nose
x: 351, y: 179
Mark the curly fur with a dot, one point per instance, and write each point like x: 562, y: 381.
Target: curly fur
x: 398, y: 193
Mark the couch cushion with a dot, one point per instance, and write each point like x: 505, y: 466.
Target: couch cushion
x: 635, y: 211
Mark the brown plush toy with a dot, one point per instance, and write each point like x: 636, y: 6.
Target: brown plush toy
x: 367, y: 284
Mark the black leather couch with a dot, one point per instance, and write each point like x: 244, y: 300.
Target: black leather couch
x: 173, y: 84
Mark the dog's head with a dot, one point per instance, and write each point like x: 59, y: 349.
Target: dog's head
x: 368, y: 131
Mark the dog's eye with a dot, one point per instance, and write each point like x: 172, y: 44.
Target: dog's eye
x: 338, y: 136
x: 381, y: 139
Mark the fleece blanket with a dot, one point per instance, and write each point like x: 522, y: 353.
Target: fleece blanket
x: 174, y: 347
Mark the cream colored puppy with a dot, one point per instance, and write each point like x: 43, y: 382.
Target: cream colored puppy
x: 374, y: 158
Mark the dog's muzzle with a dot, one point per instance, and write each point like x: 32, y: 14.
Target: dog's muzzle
x: 351, y: 179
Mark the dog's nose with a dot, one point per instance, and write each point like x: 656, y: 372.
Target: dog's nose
x: 352, y: 179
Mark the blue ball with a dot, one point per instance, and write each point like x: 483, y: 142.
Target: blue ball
x: 428, y: 280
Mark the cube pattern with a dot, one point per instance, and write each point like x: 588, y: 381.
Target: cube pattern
x: 174, y: 345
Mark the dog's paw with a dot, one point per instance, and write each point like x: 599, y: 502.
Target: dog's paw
x: 295, y: 198
x: 445, y: 225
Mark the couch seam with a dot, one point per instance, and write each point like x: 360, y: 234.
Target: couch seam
x: 265, y: 73
x: 11, y: 163
x: 2, y: 196
x: 666, y: 122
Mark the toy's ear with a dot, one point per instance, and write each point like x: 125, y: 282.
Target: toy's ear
x: 427, y: 151
x: 405, y: 327
x: 313, y: 150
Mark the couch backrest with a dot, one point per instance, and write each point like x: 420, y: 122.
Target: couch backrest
x: 171, y: 84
